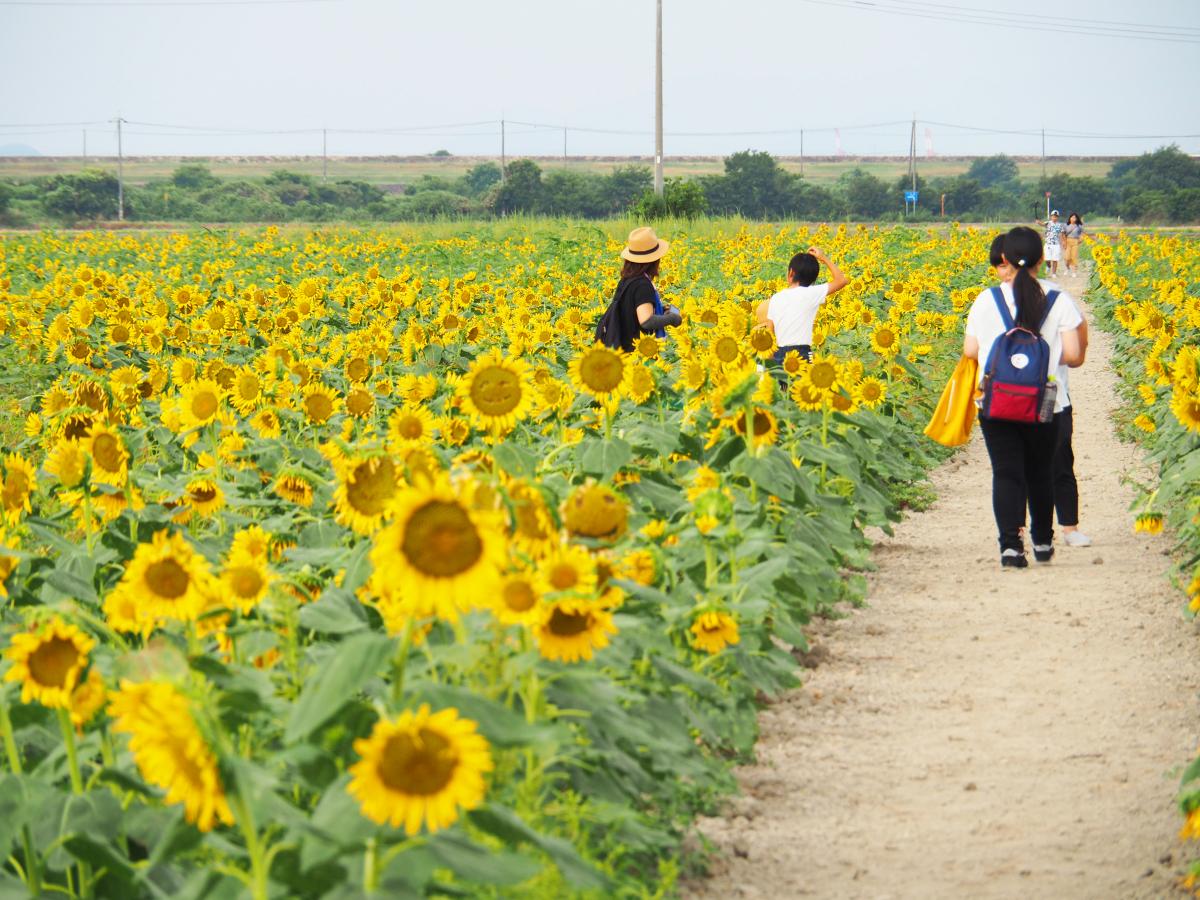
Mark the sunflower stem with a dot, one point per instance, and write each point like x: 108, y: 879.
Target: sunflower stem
x: 245, y: 818
x: 68, y: 733
x: 33, y: 869
x: 400, y: 662
x: 371, y: 866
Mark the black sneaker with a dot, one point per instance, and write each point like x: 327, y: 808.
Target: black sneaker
x: 1013, y: 559
x: 1043, y: 552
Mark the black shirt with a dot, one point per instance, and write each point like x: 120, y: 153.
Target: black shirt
x: 632, y: 293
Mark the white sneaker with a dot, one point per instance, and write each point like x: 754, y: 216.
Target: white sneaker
x: 1077, y: 539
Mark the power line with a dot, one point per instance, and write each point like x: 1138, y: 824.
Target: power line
x: 104, y: 3
x: 1002, y: 21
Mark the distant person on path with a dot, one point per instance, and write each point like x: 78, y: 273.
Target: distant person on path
x: 1072, y: 234
x: 1066, y: 488
x: 637, y: 306
x: 790, y: 313
x: 1054, y: 230
x: 1022, y: 454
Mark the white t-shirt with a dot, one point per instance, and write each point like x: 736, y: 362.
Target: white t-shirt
x: 792, y: 312
x: 985, y: 325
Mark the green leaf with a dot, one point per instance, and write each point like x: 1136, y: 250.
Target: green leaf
x: 337, y: 611
x: 352, y: 663
x: 508, y: 826
x: 660, y: 439
x: 476, y: 863
x: 604, y: 458
x: 101, y: 856
x: 497, y: 722
x: 514, y: 460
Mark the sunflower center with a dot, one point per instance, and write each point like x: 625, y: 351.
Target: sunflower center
x: 727, y: 349
x: 204, y: 405
x: 886, y: 337
x: 359, y: 402
x: 16, y: 487
x: 248, y: 386
x: 565, y: 624
x: 77, y: 427
x: 246, y: 581
x: 52, y: 662
x: 410, y: 428
x: 601, y: 370
x: 106, y: 451
x: 563, y: 577
x: 120, y: 334
x: 203, y: 493
x: 318, y: 406
x: 167, y: 579
x: 519, y: 596
x: 371, y: 486
x: 496, y: 391
x: 822, y: 375
x: 762, y: 423
x: 358, y: 369
x: 441, y: 541
x: 421, y: 763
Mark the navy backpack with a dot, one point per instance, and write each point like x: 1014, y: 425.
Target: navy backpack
x: 1016, y: 385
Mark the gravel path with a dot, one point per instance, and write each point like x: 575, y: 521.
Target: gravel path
x: 976, y: 732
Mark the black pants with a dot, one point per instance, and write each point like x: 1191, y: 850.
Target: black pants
x: 1022, y: 474
x: 1066, y: 490
x: 804, y: 350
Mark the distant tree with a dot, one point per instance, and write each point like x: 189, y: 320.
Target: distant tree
x: 991, y: 171
x: 623, y: 187
x: 963, y: 195
x: 568, y: 193
x: 194, y: 177
x: 812, y: 202
x: 1185, y: 205
x: 867, y: 197
x: 681, y: 199
x: 521, y: 190
x: 481, y: 177
x: 753, y: 185
x: 435, y: 205
x: 441, y: 153
x: 290, y: 188
x: 1086, y: 196
x: 90, y: 194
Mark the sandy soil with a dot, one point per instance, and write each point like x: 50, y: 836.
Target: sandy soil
x: 976, y: 732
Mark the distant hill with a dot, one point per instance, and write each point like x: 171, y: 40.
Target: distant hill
x: 18, y: 150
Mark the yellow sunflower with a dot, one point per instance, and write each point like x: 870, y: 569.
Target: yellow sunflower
x: 765, y: 428
x: 204, y: 496
x: 1186, y: 407
x: 67, y: 462
x: 640, y: 383
x: 568, y: 569
x: 246, y: 393
x: 360, y: 402
x: 246, y: 579
x: 438, y: 556
x: 319, y: 403
x: 170, y: 750
x: 806, y: 396
x: 20, y: 478
x: 167, y: 580
x: 48, y: 662
x: 532, y: 523
x: 88, y: 699
x: 251, y: 541
x: 885, y: 341
x: 726, y: 350
x: 409, y: 426
x: 365, y: 488
x: 598, y: 371
x: 421, y: 769
x: 871, y: 392
x: 200, y: 401
x: 496, y: 392
x: 266, y: 423
x: 595, y: 511
x: 712, y: 632
x: 572, y: 629
x: 519, y: 600
x: 294, y: 487
x: 762, y: 342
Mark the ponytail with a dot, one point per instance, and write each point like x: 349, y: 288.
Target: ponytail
x: 1023, y: 251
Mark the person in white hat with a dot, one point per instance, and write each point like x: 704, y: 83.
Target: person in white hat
x: 637, y: 306
x: 1054, y: 230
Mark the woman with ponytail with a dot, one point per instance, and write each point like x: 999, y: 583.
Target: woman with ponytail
x: 1022, y: 454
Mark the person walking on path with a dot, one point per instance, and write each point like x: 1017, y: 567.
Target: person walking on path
x: 790, y: 313
x: 636, y: 307
x: 1022, y: 453
x: 1072, y: 234
x: 1054, y: 230
x: 1066, y: 488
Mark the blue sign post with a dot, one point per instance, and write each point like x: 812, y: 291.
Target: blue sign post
x: 910, y: 197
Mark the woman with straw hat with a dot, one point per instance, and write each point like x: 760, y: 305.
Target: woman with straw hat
x: 636, y: 306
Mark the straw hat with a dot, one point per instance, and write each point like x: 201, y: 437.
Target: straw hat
x: 644, y: 246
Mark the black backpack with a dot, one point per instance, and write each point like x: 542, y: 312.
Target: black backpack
x: 608, y: 329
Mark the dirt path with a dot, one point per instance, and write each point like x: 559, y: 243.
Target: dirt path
x: 984, y: 733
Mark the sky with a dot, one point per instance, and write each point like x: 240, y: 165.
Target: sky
x: 222, y: 69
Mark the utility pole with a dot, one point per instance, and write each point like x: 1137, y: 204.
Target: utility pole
x: 503, y: 163
x: 85, y: 148
x: 564, y: 145
x: 801, y: 152
x: 120, y: 173
x: 658, y: 105
x: 324, y: 154
x: 1043, y: 154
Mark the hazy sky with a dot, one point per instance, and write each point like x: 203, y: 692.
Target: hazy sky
x: 751, y: 65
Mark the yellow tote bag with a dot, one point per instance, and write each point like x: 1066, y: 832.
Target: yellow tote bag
x: 955, y: 414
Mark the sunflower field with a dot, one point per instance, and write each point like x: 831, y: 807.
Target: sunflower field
x: 1149, y: 298
x: 342, y: 563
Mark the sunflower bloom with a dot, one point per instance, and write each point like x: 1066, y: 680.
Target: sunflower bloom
x: 421, y: 769
x: 48, y: 662
x: 712, y: 632
x: 170, y: 750
x: 166, y: 580
x: 200, y: 401
x: 595, y: 511
x: 573, y: 629
x: 496, y: 392
x: 519, y: 600
x: 20, y: 478
x: 439, y: 556
x: 598, y: 371
x: 67, y: 462
x: 365, y: 489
